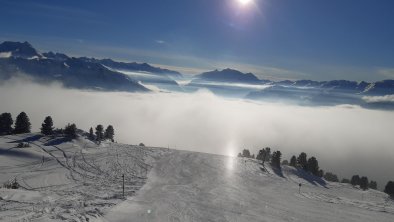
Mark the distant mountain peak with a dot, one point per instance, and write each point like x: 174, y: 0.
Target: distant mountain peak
x: 19, y: 50
x: 229, y: 75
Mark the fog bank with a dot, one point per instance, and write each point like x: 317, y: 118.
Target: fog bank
x: 345, y: 139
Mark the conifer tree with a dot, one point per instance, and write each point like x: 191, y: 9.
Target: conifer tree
x: 6, y: 124
x: 264, y: 154
x: 246, y: 153
x: 293, y: 161
x: 71, y: 131
x: 99, y: 133
x: 109, y: 133
x: 389, y: 189
x: 364, y: 183
x: 373, y: 185
x: 355, y: 180
x: 22, y: 124
x: 275, y: 159
x: 47, y: 126
x: 344, y: 180
x: 313, y: 166
x: 302, y: 161
x: 321, y: 173
x: 91, y: 134
x: 331, y: 177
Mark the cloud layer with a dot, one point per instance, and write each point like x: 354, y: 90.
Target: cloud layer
x: 379, y: 99
x: 345, y: 139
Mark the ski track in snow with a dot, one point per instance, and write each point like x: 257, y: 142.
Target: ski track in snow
x: 78, y: 181
x: 81, y: 181
x: 187, y: 186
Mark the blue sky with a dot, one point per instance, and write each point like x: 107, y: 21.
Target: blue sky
x: 292, y: 39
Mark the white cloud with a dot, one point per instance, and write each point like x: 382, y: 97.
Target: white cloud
x: 344, y: 140
x: 377, y: 99
x: 388, y: 72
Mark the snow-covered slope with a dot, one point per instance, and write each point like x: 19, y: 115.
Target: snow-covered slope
x: 81, y: 181
x: 187, y: 186
x: 72, y: 181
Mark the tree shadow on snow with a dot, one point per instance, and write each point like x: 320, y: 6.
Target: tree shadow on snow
x: 278, y: 171
x: 18, y: 153
x: 28, y: 139
x: 57, y: 141
x: 314, y: 180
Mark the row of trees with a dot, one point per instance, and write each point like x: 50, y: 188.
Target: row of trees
x: 264, y: 155
x: 362, y: 182
x: 312, y: 165
x: 70, y: 130
x: 100, y: 135
x: 23, y: 125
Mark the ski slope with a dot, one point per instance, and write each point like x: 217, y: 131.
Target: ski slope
x: 68, y: 181
x: 188, y: 186
x: 81, y: 181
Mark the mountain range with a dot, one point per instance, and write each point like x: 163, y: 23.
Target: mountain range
x: 21, y: 58
x: 17, y: 58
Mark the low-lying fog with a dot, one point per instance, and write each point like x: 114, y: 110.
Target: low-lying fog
x: 346, y: 140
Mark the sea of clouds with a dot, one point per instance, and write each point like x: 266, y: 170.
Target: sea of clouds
x: 346, y: 139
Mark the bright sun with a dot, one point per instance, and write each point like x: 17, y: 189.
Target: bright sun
x: 244, y: 2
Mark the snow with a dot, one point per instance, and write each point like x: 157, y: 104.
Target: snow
x: 81, y: 181
x: 78, y: 180
x: 5, y: 54
x: 186, y: 186
x: 34, y: 57
x: 66, y: 65
x: 369, y: 87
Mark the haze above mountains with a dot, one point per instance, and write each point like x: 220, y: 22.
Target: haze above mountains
x: 22, y: 59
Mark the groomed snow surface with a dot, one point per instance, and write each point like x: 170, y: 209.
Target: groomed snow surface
x: 80, y: 181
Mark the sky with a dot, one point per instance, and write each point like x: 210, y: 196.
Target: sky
x: 274, y: 39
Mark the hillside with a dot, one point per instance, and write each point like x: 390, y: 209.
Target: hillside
x: 76, y: 180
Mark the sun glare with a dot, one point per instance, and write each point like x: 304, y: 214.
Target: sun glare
x: 244, y: 2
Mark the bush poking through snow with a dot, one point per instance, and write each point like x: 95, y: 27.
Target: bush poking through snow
x: 12, y: 185
x: 23, y: 145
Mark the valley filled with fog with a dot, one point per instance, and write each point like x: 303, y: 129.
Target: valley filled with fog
x: 345, y: 139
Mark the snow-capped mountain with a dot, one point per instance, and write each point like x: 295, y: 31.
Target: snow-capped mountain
x: 18, y: 50
x: 18, y: 58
